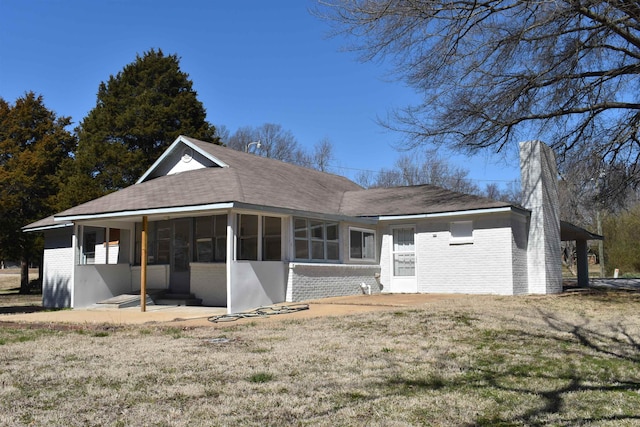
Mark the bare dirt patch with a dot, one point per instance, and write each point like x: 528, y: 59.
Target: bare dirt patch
x: 555, y: 360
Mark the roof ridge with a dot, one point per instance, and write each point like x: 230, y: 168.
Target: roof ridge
x: 205, y: 145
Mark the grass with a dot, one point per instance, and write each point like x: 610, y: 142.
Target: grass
x: 10, y: 298
x: 476, y: 361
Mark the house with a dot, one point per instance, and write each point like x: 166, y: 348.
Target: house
x: 241, y: 231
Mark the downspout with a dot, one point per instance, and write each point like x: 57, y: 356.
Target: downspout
x: 143, y: 265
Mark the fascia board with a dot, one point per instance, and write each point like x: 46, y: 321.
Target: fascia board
x: 454, y: 213
x: 179, y: 140
x: 139, y: 212
x: 306, y: 214
x: 46, y: 227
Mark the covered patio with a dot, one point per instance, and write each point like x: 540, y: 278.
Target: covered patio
x: 570, y: 232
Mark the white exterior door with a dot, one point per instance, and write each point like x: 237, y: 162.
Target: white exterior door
x: 403, y: 260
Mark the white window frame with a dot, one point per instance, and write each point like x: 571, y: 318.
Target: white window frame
x: 375, y: 244
x: 310, y: 239
x: 461, y: 232
x: 260, y: 236
x: 413, y: 252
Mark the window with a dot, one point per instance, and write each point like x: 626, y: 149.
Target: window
x: 461, y: 232
x: 301, y: 237
x: 220, y: 238
x: 204, y: 239
x: 316, y: 240
x: 162, y: 242
x: 259, y: 232
x: 211, y: 238
x: 362, y: 244
x: 271, y: 238
x: 248, y: 237
x: 89, y: 247
x: 404, y: 255
x: 101, y: 245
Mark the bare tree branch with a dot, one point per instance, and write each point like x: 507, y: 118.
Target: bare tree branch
x: 493, y: 72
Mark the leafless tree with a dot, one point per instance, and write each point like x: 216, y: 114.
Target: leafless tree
x: 495, y: 72
x: 223, y: 133
x: 416, y: 169
x: 241, y: 139
x: 322, y: 155
x: 278, y: 143
x: 275, y: 142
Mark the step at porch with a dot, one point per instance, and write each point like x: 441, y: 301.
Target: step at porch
x: 125, y: 301
x: 177, y: 299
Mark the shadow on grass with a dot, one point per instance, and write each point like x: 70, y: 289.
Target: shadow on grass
x: 14, y: 302
x: 21, y: 309
x: 566, y: 374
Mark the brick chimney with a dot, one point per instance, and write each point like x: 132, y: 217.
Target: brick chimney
x: 539, y: 176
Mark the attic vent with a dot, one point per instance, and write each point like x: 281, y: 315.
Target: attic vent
x: 187, y: 155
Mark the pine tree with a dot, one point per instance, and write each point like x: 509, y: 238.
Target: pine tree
x: 138, y: 113
x: 35, y: 149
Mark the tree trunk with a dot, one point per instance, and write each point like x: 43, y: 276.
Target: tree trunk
x: 24, y: 276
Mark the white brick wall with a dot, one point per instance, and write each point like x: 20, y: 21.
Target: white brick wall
x: 157, y: 277
x: 519, y: 254
x: 540, y: 193
x: 308, y: 281
x: 57, y: 268
x: 209, y: 282
x: 481, y: 267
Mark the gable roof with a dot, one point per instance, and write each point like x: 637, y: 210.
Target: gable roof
x: 182, y: 146
x: 246, y: 178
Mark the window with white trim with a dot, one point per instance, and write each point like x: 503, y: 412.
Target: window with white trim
x: 461, y: 232
x: 211, y: 238
x: 271, y: 238
x: 247, y: 237
x: 101, y: 245
x: 404, y: 252
x: 316, y: 240
x: 362, y: 244
x: 259, y: 238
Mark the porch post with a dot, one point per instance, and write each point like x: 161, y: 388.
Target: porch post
x: 143, y: 265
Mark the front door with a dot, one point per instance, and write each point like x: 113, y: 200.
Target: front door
x: 180, y: 256
x: 403, y: 260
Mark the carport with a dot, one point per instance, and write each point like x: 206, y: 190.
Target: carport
x: 570, y: 232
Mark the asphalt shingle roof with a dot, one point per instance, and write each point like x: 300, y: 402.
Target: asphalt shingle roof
x: 255, y: 180
x: 412, y: 200
x: 248, y: 179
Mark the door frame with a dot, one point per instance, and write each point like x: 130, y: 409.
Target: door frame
x: 180, y: 280
x: 403, y: 284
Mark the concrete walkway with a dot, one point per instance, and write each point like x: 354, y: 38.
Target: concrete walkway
x: 188, y: 316
x: 629, y: 284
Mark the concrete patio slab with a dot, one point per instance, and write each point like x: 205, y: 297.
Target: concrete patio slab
x: 189, y: 316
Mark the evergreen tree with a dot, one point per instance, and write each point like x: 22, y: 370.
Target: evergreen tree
x: 35, y: 149
x: 138, y: 113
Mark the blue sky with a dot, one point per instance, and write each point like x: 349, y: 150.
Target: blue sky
x: 251, y: 62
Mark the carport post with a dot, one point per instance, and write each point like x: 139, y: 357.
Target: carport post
x: 583, y: 263
x: 143, y: 265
